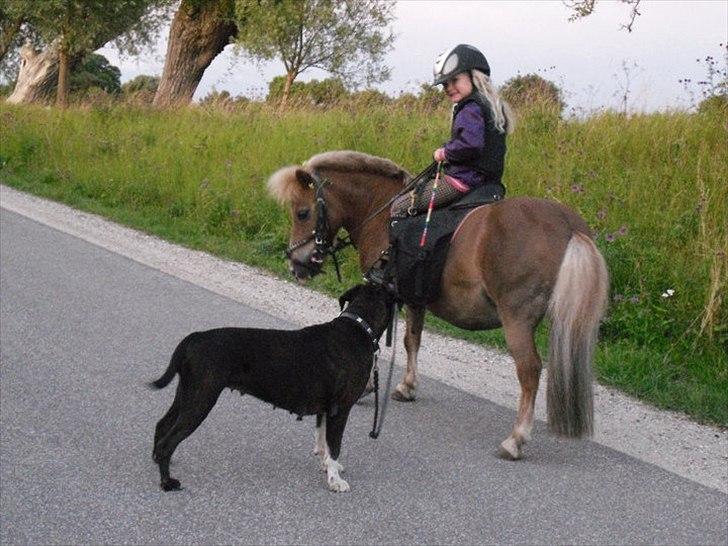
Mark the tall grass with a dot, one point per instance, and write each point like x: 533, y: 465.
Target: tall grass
x: 654, y: 188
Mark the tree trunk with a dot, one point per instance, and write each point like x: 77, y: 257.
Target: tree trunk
x: 63, y: 77
x: 37, y: 77
x: 286, y: 90
x: 199, y: 32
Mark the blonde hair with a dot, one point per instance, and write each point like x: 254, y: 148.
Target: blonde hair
x: 503, y: 117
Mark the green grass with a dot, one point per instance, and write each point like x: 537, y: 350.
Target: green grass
x: 653, y: 187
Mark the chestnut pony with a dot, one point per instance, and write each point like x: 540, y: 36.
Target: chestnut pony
x: 509, y: 264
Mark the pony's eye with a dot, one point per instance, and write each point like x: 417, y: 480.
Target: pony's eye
x: 303, y: 214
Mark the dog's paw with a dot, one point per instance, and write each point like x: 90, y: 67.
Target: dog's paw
x: 170, y: 484
x: 338, y: 485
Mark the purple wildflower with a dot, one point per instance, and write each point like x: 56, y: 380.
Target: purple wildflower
x: 623, y: 230
x: 610, y: 237
x: 577, y: 188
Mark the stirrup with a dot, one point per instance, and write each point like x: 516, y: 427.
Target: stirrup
x: 379, y: 274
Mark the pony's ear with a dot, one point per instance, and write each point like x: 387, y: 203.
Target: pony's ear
x: 348, y: 295
x: 304, y: 178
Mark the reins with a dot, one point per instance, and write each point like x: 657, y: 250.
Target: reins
x: 391, y: 338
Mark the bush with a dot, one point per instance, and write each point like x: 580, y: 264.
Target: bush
x: 369, y: 98
x: 142, y: 82
x: 525, y: 91
x: 716, y: 104
x: 315, y: 93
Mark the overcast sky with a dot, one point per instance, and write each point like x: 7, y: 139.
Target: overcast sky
x: 586, y: 58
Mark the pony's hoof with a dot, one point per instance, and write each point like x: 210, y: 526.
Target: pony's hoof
x: 510, y: 450
x: 170, y: 484
x: 403, y: 393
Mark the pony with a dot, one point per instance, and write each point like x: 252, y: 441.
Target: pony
x: 510, y: 264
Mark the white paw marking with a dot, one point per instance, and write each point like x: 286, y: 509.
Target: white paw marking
x: 336, y: 483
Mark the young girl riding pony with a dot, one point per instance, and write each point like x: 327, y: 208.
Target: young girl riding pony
x: 474, y: 156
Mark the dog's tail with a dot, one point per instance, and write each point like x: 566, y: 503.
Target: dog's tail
x: 174, y: 365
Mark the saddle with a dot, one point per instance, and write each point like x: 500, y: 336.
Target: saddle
x: 417, y: 270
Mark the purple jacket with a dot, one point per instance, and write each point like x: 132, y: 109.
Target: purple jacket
x: 476, y: 150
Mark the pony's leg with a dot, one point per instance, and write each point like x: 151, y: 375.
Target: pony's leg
x: 415, y: 320
x: 519, y: 337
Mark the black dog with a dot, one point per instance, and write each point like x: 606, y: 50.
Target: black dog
x: 320, y: 370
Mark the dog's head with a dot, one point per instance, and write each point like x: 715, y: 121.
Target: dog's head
x: 372, y: 303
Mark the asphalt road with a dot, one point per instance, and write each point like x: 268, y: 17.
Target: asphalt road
x: 83, y: 329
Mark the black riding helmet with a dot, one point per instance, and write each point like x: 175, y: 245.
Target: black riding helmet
x: 461, y: 58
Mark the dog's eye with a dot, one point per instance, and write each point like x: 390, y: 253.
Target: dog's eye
x: 303, y: 214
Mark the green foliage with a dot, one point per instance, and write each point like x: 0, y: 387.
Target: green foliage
x: 715, y: 103
x: 369, y: 98
x: 84, y: 25
x: 141, y: 83
x: 652, y: 187
x: 223, y: 100
x: 317, y: 93
x: 96, y: 71
x: 348, y: 39
x: 531, y: 89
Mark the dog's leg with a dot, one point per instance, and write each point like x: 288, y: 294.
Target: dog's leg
x: 191, y: 414
x: 334, y: 431
x: 320, y: 447
x: 166, y: 422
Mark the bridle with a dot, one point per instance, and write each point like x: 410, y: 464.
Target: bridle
x: 320, y: 233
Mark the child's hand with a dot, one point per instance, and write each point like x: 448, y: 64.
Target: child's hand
x: 439, y: 155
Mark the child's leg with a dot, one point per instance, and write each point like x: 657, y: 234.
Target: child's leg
x: 418, y: 201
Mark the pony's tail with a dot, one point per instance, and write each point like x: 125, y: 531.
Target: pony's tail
x: 577, y: 304
x: 174, y: 365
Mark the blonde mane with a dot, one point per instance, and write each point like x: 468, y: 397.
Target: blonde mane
x: 284, y: 187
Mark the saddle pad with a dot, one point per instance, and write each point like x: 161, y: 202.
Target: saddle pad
x: 418, y: 271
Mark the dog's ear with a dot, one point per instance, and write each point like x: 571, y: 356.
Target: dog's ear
x: 348, y: 295
x: 304, y: 178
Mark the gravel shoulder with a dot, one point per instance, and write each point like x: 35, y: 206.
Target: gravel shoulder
x: 666, y: 439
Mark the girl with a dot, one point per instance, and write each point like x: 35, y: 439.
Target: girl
x: 475, y: 153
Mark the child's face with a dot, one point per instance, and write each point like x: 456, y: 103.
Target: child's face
x: 458, y: 87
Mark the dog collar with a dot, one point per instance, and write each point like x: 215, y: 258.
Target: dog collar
x: 363, y: 324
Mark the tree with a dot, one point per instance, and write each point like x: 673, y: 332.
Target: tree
x: 347, y: 38
x: 200, y: 31
x: 584, y: 8
x: 96, y: 71
x: 70, y: 29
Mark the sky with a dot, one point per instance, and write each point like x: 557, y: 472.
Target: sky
x: 593, y: 60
